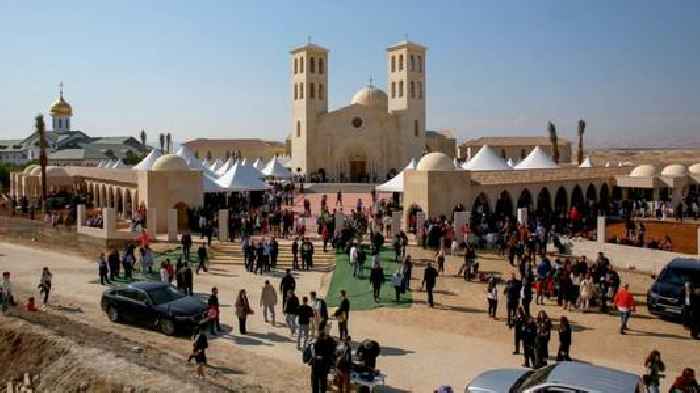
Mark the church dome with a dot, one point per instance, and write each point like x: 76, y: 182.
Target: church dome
x: 435, y: 162
x: 170, y: 163
x: 372, y: 97
x: 643, y: 171
x: 61, y: 107
x: 674, y: 170
x: 695, y: 169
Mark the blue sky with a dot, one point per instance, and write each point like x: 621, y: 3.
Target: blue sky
x: 220, y: 69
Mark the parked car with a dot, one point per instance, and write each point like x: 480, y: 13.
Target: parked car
x: 666, y: 297
x: 573, y: 377
x: 153, y: 304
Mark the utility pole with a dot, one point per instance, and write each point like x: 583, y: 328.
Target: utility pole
x: 43, y: 161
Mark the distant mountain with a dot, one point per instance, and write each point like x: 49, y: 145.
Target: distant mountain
x: 642, y: 141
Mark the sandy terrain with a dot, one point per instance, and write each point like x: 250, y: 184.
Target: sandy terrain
x: 422, y: 347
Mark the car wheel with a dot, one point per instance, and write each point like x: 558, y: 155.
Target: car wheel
x: 113, y: 314
x: 167, y: 326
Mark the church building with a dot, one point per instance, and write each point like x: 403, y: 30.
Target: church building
x: 374, y: 136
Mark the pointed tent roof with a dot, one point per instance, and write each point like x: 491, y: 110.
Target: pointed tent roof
x: 510, y: 162
x: 216, y: 165
x: 395, y: 184
x: 586, y: 163
x: 537, y: 159
x: 147, y: 163
x: 275, y: 169
x: 226, y: 166
x: 185, y: 153
x: 241, y: 178
x: 209, y: 183
x: 118, y: 164
x: 486, y: 160
x: 258, y: 164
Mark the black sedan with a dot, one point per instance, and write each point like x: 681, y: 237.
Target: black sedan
x: 154, y: 304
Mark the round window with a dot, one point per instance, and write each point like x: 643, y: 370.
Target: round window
x: 357, y: 122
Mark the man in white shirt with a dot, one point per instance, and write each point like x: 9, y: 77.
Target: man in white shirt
x: 354, y: 255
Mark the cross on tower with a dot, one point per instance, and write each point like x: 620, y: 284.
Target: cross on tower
x: 370, y: 81
x: 60, y: 89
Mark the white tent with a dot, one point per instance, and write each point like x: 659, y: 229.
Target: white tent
x: 607, y: 164
x: 118, y: 164
x: 395, y: 184
x: 206, y: 163
x: 510, y: 162
x: 225, y: 168
x: 185, y: 153
x: 209, y: 183
x: 147, y: 163
x: 216, y: 165
x: 258, y: 164
x: 586, y: 163
x: 486, y: 160
x: 537, y: 159
x: 101, y: 164
x: 276, y: 170
x: 241, y: 178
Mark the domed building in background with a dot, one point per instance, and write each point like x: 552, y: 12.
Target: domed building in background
x: 371, y: 138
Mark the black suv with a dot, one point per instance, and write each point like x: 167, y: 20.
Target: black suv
x: 666, y: 297
x: 154, y: 304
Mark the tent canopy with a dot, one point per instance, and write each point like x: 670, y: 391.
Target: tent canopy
x: 147, y: 163
x: 537, y: 159
x: 486, y: 160
x: 586, y: 163
x: 241, y: 178
x: 276, y: 170
x: 395, y: 184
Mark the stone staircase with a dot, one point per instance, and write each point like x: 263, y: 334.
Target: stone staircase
x: 227, y: 253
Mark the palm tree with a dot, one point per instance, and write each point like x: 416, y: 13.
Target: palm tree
x: 143, y: 137
x: 168, y: 142
x: 553, y: 140
x: 581, y: 129
x: 43, y: 161
x: 161, y: 136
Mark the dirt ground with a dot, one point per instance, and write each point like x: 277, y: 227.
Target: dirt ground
x: 658, y: 157
x: 421, y: 347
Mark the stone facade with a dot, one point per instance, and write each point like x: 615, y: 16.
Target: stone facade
x: 377, y: 134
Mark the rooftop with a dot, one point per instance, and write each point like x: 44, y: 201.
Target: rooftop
x: 513, y: 141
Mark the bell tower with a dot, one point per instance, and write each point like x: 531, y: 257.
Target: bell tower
x: 309, y: 93
x: 407, y: 92
x: 61, y: 112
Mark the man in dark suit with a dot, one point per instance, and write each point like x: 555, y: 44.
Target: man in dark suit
x: 430, y: 275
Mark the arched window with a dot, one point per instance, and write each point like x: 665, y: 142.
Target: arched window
x: 301, y: 91
x: 522, y: 153
x: 208, y: 154
x: 420, y: 90
x: 298, y: 129
x: 415, y: 127
x: 393, y: 89
x: 400, y: 62
x: 296, y: 65
x: 420, y: 63
x: 301, y: 65
x: 413, y: 90
x: 413, y: 63
x: 503, y: 153
x: 320, y: 65
x: 320, y: 91
x: 393, y: 63
x: 312, y: 91
x: 296, y: 91
x: 68, y: 124
x: 312, y: 65
x: 400, y: 88
x: 196, y: 154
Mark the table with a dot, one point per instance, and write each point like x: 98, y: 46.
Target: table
x: 377, y: 381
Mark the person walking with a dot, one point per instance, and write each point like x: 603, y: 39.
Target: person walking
x: 564, y: 339
x: 268, y: 301
x: 376, y: 278
x: 624, y: 301
x: 147, y: 259
x: 406, y: 273
x: 512, y: 292
x: 199, y: 351
x: 242, y: 310
x: 213, y: 302
x: 440, y: 259
x: 320, y: 314
x: 186, y: 242
x: 323, y: 355
x: 586, y: 288
x: 354, y: 262
x: 518, y: 326
x: 430, y: 275
x: 113, y: 260
x: 655, y: 368
x: 288, y: 283
x: 544, y: 333
x: 103, y: 270
x: 305, y: 313
x: 396, y: 281
x: 685, y: 383
x: 203, y: 256
x: 342, y: 314
x: 492, y: 296
x: 274, y: 252
x: 529, y: 337
x: 45, y: 284
x: 295, y: 253
x: 291, y: 310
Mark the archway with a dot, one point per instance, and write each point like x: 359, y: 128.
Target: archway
x: 577, y: 199
x: 561, y: 199
x: 480, y: 209
x: 504, y: 205
x: 525, y: 200
x: 119, y: 205
x: 591, y: 194
x: 357, y: 163
x: 605, y: 198
x: 544, y: 201
x: 182, y: 216
x: 128, y: 205
x: 110, y: 197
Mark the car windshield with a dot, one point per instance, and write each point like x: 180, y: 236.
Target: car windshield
x: 530, y: 379
x: 680, y: 276
x: 163, y: 295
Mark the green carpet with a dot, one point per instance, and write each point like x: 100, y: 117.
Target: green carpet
x: 359, y: 289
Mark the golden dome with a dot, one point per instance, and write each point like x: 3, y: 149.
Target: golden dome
x: 170, y: 163
x: 61, y: 108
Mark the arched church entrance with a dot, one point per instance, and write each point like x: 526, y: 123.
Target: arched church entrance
x: 357, y: 163
x: 182, y: 216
